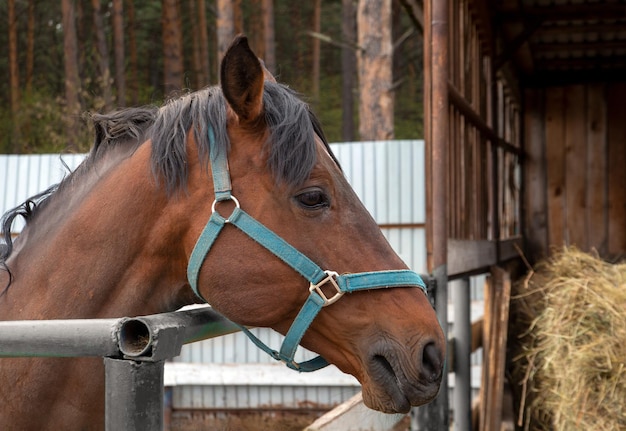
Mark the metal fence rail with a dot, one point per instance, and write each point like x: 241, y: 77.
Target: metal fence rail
x: 134, y: 352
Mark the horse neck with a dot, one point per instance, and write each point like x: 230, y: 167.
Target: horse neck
x: 109, y: 255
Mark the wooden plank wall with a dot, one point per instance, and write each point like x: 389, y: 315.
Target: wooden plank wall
x: 484, y: 134
x: 575, y: 170
x: 468, y: 180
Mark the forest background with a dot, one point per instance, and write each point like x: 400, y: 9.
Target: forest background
x: 64, y: 59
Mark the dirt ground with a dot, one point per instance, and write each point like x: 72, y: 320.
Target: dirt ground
x: 241, y: 421
x: 249, y: 421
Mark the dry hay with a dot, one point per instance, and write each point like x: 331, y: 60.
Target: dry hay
x: 569, y: 344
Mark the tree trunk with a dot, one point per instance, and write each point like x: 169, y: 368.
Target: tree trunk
x: 30, y: 45
x: 118, y: 43
x: 103, y: 55
x: 299, y: 54
x: 133, y: 84
x: 72, y: 81
x: 238, y: 17
x: 268, y: 35
x: 203, y: 32
x: 82, y: 22
x: 225, y: 28
x: 13, y: 62
x: 375, y: 70
x: 257, y: 30
x: 14, y: 79
x: 195, y: 45
x: 348, y: 69
x: 317, y: 26
x: 172, y: 47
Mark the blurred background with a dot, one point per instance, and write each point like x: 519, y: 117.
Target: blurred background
x: 63, y: 58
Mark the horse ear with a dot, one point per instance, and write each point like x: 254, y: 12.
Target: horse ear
x: 242, y: 78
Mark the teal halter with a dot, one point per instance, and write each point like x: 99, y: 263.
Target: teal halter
x: 299, y: 262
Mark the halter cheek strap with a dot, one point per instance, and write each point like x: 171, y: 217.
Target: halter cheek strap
x: 317, y: 277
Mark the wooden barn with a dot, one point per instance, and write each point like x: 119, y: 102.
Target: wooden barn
x: 525, y: 130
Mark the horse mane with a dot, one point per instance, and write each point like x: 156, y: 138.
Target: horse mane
x: 291, y: 155
x: 124, y: 127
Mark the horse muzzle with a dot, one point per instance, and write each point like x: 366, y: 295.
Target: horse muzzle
x: 400, y: 377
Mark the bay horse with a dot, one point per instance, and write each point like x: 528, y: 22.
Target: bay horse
x: 287, y: 239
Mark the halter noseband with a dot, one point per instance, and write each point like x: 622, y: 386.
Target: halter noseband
x: 299, y: 262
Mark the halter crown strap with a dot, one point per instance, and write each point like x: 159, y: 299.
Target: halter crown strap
x: 219, y: 166
x: 317, y: 277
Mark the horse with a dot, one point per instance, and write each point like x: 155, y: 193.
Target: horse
x: 126, y: 234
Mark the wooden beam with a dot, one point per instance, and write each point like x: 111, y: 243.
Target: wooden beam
x: 580, y: 28
x: 352, y: 412
x: 483, y: 13
x: 476, y: 256
x: 576, y: 166
x: 436, y: 108
x: 596, y: 169
x: 616, y: 154
x: 459, y: 102
x: 555, y: 164
x: 565, y: 12
x: 535, y: 210
x: 466, y: 256
x: 548, y: 48
x: 547, y: 78
x: 571, y: 66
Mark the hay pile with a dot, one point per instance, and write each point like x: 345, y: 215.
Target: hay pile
x: 569, y: 344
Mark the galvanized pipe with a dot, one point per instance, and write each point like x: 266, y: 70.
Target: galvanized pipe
x: 153, y: 337
x: 161, y: 336
x: 462, y: 331
x: 134, y: 395
x: 59, y: 338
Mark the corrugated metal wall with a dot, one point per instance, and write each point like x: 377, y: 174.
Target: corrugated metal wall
x: 389, y: 178
x: 22, y: 176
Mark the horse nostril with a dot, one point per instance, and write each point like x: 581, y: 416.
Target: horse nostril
x: 432, y: 362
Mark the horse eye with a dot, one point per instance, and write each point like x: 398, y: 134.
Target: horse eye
x: 313, y: 199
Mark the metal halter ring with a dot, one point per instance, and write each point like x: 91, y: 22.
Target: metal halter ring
x: 231, y: 198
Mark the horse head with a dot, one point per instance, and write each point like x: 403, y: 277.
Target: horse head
x: 283, y: 178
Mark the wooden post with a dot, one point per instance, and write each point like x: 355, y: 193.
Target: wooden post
x: 497, y: 297
x: 435, y: 416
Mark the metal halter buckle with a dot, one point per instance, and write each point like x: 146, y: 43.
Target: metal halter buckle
x: 330, y: 278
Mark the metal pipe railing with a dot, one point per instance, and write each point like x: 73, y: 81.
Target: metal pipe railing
x: 59, y: 338
x: 142, y: 337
